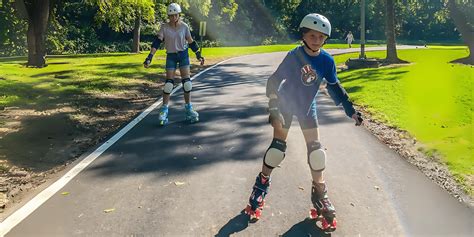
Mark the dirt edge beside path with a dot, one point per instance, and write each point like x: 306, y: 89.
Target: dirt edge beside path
x: 409, y: 148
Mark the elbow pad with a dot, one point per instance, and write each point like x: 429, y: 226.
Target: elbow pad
x: 194, y: 46
x: 156, y: 43
x: 271, y: 88
x: 273, y: 85
x: 339, y: 95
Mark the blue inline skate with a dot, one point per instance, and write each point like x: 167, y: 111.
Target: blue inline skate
x: 191, y: 115
x: 163, y: 117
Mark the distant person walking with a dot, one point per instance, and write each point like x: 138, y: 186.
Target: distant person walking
x: 350, y: 38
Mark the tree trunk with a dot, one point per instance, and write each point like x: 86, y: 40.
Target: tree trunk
x: 390, y: 32
x: 464, y: 28
x: 31, y: 43
x: 136, y: 36
x: 38, y: 16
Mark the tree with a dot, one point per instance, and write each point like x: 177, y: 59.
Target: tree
x: 392, y: 56
x: 464, y: 24
x: 36, y: 13
x: 12, y: 30
x: 125, y: 15
x: 219, y: 14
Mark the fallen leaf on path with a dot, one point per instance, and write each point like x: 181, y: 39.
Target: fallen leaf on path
x: 301, y: 188
x: 65, y: 193
x: 177, y: 183
x: 377, y: 187
x: 109, y: 210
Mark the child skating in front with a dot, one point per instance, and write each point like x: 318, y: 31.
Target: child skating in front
x: 292, y: 91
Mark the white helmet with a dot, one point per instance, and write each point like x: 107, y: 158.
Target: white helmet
x: 317, y: 22
x: 174, y: 8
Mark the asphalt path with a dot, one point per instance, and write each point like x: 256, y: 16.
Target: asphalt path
x: 194, y: 180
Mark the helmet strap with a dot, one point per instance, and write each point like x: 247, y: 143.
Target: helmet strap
x: 307, y: 46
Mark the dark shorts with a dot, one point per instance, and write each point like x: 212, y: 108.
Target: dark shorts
x: 177, y: 60
x: 306, y: 121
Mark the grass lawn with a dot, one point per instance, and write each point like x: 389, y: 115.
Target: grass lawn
x: 95, y: 73
x: 430, y: 98
x: 225, y: 52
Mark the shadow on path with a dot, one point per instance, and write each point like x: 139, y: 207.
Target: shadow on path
x: 306, y: 227
x: 234, y: 225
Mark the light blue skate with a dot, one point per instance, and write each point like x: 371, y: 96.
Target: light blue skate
x: 191, y: 115
x: 163, y: 117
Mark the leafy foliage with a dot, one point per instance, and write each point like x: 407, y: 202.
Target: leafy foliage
x: 12, y: 31
x: 121, y: 14
x: 90, y: 26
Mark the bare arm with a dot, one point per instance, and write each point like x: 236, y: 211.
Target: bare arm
x: 189, y: 39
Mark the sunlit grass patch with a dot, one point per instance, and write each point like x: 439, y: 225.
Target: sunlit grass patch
x: 430, y: 98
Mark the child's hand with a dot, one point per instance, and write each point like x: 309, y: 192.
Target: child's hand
x: 358, y: 118
x: 148, y: 59
x: 200, y: 57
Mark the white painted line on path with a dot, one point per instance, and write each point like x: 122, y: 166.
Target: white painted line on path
x: 11, y: 221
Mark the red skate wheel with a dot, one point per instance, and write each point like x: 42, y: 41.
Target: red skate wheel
x: 313, y: 213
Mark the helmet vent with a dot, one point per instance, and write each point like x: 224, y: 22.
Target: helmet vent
x: 324, y: 25
x: 315, y: 22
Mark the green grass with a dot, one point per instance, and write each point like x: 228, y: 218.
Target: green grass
x: 67, y: 75
x: 236, y: 51
x: 4, y: 168
x: 430, y: 98
x: 94, y: 73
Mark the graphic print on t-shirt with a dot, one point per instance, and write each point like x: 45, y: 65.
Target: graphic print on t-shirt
x: 308, y: 75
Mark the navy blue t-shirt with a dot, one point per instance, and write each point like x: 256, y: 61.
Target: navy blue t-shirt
x: 296, y: 81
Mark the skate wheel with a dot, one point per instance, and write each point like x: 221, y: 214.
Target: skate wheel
x: 313, y: 214
x: 247, y: 209
x: 328, y: 226
x: 193, y: 120
x: 253, y: 215
x: 163, y: 122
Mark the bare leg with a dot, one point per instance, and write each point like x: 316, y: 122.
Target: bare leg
x: 262, y: 182
x: 321, y: 203
x: 169, y: 75
x: 309, y: 136
x: 184, y: 71
x: 280, y: 133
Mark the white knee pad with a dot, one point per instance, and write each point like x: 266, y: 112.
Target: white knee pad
x: 169, y: 84
x: 275, y: 153
x: 316, y: 156
x: 187, y: 85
